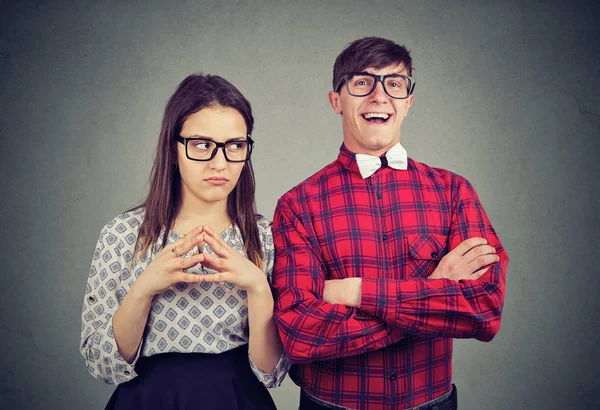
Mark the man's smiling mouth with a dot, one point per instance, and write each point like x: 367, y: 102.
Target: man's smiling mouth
x: 376, y: 117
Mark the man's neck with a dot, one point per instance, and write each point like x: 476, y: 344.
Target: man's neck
x: 375, y: 151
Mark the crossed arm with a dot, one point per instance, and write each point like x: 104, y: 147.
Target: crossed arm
x: 323, y: 319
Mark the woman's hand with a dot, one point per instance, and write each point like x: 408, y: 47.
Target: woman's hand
x: 231, y: 266
x: 167, y: 269
x: 469, y: 260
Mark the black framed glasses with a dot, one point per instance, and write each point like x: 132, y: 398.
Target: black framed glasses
x: 361, y: 84
x: 204, y: 149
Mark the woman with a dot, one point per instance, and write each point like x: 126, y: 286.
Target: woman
x: 186, y: 321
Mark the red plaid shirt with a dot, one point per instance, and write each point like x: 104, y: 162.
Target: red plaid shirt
x: 390, y: 229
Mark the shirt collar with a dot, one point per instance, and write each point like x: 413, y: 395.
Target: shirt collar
x: 347, y: 159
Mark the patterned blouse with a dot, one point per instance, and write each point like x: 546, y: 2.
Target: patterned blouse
x: 189, y: 317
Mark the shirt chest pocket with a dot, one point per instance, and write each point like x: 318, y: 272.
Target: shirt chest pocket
x: 424, y: 254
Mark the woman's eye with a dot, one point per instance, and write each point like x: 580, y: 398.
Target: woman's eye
x: 235, y: 146
x: 201, y: 145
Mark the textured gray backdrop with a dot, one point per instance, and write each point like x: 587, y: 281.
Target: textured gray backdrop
x: 507, y: 95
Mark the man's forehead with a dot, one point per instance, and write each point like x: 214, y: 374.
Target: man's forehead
x: 391, y: 69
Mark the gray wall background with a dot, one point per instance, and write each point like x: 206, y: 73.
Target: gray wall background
x: 507, y: 95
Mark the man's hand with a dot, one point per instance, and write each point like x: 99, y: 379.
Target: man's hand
x: 343, y: 291
x: 469, y: 260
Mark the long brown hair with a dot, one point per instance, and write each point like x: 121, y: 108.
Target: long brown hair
x: 164, y: 196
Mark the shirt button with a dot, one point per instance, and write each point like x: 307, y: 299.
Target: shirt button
x: 384, y: 237
x: 434, y: 255
x: 379, y: 195
x: 91, y: 299
x: 393, y: 377
x: 126, y: 373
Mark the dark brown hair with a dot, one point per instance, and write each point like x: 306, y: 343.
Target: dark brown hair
x: 368, y: 52
x: 164, y: 196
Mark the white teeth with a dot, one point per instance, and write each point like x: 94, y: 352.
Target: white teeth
x: 376, y: 115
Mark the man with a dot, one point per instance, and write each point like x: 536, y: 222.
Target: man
x: 381, y: 260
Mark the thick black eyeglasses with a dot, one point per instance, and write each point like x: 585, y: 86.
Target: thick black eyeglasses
x: 204, y: 149
x: 361, y: 84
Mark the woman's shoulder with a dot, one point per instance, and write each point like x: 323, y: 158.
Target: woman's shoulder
x: 125, y: 225
x: 265, y: 234
x: 264, y: 225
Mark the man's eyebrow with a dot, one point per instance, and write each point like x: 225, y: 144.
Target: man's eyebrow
x: 377, y: 75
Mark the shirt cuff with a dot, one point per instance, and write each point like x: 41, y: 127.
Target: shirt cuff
x: 124, y: 371
x: 275, y: 378
x: 379, y: 298
x: 121, y: 370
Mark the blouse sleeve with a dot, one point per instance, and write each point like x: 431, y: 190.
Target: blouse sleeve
x: 104, y: 293
x: 275, y: 378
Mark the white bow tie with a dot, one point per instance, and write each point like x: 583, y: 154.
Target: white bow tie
x: 396, y: 158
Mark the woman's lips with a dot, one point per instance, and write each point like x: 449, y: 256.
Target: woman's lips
x: 217, y: 180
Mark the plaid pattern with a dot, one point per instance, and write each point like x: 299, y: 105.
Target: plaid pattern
x: 390, y: 229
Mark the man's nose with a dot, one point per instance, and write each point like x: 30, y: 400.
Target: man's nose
x: 378, y: 94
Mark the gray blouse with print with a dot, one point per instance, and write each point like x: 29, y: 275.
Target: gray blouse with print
x: 189, y: 317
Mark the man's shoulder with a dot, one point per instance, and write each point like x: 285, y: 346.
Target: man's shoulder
x: 440, y: 177
x: 313, y: 183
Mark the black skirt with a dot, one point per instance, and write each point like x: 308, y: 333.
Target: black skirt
x: 199, y: 381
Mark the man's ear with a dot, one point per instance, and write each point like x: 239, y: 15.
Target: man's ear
x: 334, y: 100
x: 408, y: 103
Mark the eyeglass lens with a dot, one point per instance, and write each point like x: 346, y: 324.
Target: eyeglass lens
x: 202, y: 149
x: 361, y: 85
